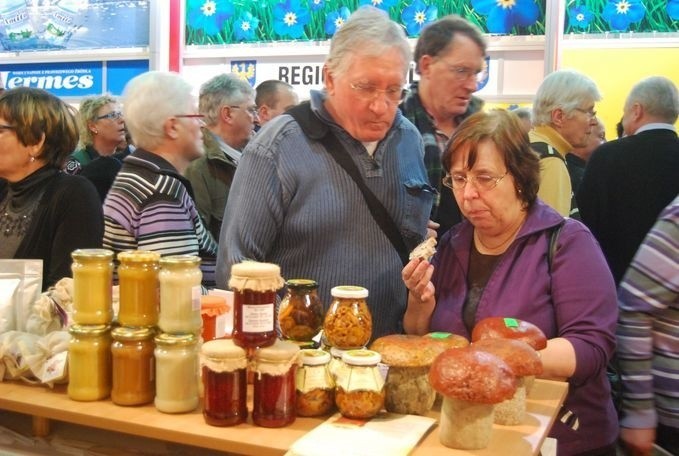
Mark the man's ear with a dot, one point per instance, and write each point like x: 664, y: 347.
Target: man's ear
x: 425, y: 64
x: 558, y: 117
x: 263, y: 113
x: 170, y: 128
x: 329, y: 80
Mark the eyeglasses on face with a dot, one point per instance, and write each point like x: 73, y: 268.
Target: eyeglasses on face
x: 482, y: 182
x: 252, y: 110
x: 199, y: 117
x: 369, y: 92
x: 462, y: 73
x: 113, y: 115
x: 591, y: 113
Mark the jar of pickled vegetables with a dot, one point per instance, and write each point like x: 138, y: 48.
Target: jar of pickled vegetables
x: 274, y: 402
x: 224, y: 366
x: 138, y: 288
x: 254, y: 285
x: 176, y: 373
x: 89, y: 362
x: 314, y: 383
x: 92, y: 284
x: 348, y: 322
x: 180, y: 290
x: 300, y: 316
x: 134, y: 381
x: 360, y: 385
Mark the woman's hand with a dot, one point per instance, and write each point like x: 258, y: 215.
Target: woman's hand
x: 417, y: 278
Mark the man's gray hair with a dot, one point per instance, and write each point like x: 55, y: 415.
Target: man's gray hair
x: 149, y: 100
x: 563, y: 89
x: 368, y: 32
x: 658, y: 95
x: 223, y: 89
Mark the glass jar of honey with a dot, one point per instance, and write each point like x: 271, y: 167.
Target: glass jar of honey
x: 300, y: 316
x: 274, y: 402
x: 134, y: 380
x: 224, y: 367
x: 89, y: 362
x: 138, y: 287
x: 92, y: 284
x: 348, y: 322
x: 314, y: 383
x: 360, y: 385
x: 180, y: 290
x: 176, y: 373
x: 254, y: 285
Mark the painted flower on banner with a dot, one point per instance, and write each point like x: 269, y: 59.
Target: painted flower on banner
x: 417, y: 15
x: 335, y: 20
x: 673, y: 9
x: 381, y: 4
x: 208, y: 15
x: 290, y: 18
x: 315, y: 5
x: 621, y: 13
x: 503, y: 15
x: 245, y: 26
x: 580, y: 17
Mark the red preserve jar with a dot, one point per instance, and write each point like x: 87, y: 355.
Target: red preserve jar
x: 275, y: 397
x: 254, y: 285
x: 224, y: 383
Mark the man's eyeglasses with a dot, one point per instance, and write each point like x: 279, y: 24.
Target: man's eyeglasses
x: 590, y: 112
x: 189, y: 116
x: 483, y: 182
x: 252, y: 110
x: 370, y: 93
x: 113, y: 115
x: 461, y: 73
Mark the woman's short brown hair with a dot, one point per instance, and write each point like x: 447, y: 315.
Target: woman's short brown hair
x: 35, y: 113
x: 503, y: 129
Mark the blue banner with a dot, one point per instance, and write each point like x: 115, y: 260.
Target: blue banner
x: 118, y: 72
x: 72, y: 80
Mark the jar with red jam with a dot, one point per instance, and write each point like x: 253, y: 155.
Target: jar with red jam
x: 224, y: 367
x: 274, y: 402
x: 254, y: 285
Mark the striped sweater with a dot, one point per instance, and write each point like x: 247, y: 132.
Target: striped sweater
x: 150, y: 207
x: 648, y: 329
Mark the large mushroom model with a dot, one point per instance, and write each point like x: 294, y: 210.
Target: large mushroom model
x: 523, y: 361
x: 409, y: 357
x: 471, y: 382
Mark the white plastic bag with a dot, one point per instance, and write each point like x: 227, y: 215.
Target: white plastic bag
x: 20, y: 286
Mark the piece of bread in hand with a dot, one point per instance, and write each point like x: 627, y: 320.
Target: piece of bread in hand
x: 424, y: 250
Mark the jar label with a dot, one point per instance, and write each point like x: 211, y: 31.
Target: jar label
x: 313, y: 377
x: 195, y: 298
x: 220, y: 326
x: 353, y: 378
x: 258, y: 318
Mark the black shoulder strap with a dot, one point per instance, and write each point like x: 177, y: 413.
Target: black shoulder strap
x: 317, y: 130
x: 545, y: 150
x: 551, y: 250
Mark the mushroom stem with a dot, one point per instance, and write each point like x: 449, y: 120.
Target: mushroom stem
x: 513, y: 411
x: 465, y: 425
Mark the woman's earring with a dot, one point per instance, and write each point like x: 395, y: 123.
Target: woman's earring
x: 96, y: 132
x: 32, y: 159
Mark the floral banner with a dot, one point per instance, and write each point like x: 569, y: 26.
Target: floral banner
x: 600, y: 16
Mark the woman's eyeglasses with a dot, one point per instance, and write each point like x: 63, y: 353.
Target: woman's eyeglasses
x: 113, y: 115
x: 482, y: 182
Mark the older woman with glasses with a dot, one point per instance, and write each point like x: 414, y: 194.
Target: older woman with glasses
x: 500, y: 262
x: 44, y: 213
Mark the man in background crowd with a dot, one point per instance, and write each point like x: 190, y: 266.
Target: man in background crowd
x: 577, y: 158
x: 273, y: 98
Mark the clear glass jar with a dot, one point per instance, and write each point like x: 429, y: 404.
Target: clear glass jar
x: 348, y: 322
x: 180, y: 292
x: 300, y: 316
x: 274, y: 402
x: 336, y: 363
x: 314, y: 383
x: 134, y: 381
x: 89, y: 362
x: 224, y: 366
x: 176, y: 373
x: 92, y: 284
x: 360, y: 387
x: 138, y: 287
x: 254, y: 285
x: 213, y: 312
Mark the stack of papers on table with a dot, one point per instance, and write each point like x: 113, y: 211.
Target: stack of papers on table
x: 387, y: 433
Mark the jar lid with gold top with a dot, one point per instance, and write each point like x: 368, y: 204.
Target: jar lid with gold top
x: 349, y: 292
x: 88, y: 330
x: 92, y: 254
x: 176, y: 340
x: 301, y: 284
x: 180, y: 260
x: 127, y: 333
x: 138, y: 256
x: 255, y: 276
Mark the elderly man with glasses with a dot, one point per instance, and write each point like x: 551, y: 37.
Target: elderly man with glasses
x: 299, y: 197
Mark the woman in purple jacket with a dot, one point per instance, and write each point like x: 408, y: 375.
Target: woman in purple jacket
x: 495, y: 263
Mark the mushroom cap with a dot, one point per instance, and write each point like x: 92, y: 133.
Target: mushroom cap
x: 521, y: 358
x: 402, y: 350
x: 509, y: 328
x: 472, y: 375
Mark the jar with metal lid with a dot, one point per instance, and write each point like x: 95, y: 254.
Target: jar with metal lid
x: 176, y: 373
x: 134, y: 380
x: 274, y: 402
x: 360, y: 387
x: 254, y: 285
x: 180, y: 277
x: 92, y: 284
x: 348, y: 322
x: 89, y: 362
x: 336, y: 363
x: 224, y: 367
x: 138, y: 287
x: 300, y: 316
x: 314, y: 383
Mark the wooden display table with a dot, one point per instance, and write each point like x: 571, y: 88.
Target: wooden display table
x: 44, y: 404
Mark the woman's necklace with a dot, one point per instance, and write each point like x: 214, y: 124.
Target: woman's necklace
x: 499, y: 247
